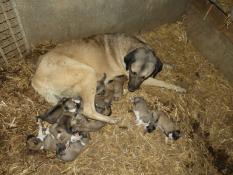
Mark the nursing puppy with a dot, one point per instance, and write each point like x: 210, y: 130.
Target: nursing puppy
x: 101, y: 105
x: 100, y: 89
x: 70, y: 152
x: 44, y: 140
x: 118, y: 86
x: 113, y: 90
x: 68, y: 105
x: 143, y: 115
x: 48, y: 138
x: 73, y: 68
x: 82, y: 124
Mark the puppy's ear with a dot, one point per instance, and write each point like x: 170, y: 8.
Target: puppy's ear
x: 158, y: 67
x: 129, y: 59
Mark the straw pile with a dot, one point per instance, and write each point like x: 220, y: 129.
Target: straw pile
x: 204, y: 115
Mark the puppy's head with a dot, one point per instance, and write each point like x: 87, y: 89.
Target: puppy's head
x: 174, y: 135
x: 150, y: 127
x: 60, y: 149
x: 33, y: 143
x: 73, y: 105
x: 141, y: 64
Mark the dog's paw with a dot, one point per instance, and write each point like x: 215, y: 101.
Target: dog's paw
x: 114, y: 120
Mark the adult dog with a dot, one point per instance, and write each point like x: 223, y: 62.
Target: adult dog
x: 73, y: 68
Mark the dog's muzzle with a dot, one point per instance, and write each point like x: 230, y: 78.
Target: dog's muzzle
x: 134, y: 83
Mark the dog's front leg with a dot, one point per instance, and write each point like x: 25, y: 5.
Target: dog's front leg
x: 89, y: 107
x: 159, y: 83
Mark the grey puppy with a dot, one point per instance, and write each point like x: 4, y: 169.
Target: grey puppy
x: 152, y: 119
x: 70, y: 105
x: 81, y: 124
x: 69, y: 152
x: 48, y: 138
x: 143, y: 115
x: 44, y: 140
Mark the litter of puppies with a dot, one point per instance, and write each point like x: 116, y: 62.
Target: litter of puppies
x: 68, y: 133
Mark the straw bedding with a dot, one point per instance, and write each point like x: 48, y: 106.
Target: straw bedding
x: 204, y: 115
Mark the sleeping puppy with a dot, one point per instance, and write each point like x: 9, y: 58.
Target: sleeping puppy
x: 143, y: 115
x: 70, y: 105
x: 69, y: 152
x: 167, y: 126
x: 153, y: 119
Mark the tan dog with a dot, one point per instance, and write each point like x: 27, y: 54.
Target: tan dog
x: 73, y: 68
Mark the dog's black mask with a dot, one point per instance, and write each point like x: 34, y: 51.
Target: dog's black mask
x: 141, y: 64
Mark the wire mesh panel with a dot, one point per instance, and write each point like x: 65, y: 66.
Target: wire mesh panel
x: 12, y: 40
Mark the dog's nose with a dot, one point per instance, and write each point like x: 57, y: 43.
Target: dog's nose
x: 132, y: 89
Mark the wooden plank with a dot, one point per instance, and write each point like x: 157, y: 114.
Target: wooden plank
x: 11, y: 30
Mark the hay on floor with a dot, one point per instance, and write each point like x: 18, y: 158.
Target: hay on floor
x: 204, y: 115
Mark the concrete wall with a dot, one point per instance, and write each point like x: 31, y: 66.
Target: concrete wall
x: 64, y: 19
x: 210, y: 42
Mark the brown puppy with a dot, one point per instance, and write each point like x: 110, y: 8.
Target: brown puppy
x: 118, y: 86
x: 112, y: 91
x: 100, y: 89
x: 73, y: 68
x: 167, y: 126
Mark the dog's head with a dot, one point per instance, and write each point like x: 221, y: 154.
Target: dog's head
x: 141, y: 64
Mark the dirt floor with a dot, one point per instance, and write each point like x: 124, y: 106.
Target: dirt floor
x: 204, y: 115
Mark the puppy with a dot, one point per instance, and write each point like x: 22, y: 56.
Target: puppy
x: 48, y: 138
x: 100, y: 89
x: 153, y: 119
x: 118, y: 86
x: 44, y: 140
x: 101, y: 105
x: 167, y: 126
x: 69, y: 105
x: 69, y: 152
x: 107, y: 93
x: 82, y: 124
x: 143, y: 115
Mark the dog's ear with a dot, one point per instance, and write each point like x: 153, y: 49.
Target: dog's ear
x: 129, y: 59
x: 158, y: 67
